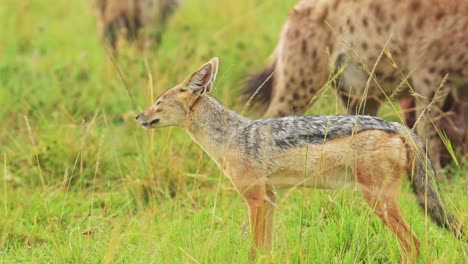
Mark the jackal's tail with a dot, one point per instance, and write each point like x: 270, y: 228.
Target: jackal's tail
x: 259, y: 87
x: 424, y: 185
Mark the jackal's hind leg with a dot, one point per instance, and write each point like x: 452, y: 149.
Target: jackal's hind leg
x: 385, y: 206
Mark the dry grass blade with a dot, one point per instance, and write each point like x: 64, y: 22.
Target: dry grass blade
x: 322, y: 89
x: 437, y: 97
x: 362, y: 105
x: 36, y: 157
x: 5, y: 203
x: 188, y: 255
x: 448, y: 145
x: 112, y: 59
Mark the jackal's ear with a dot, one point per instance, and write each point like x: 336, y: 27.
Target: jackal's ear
x: 214, y: 61
x: 201, y: 81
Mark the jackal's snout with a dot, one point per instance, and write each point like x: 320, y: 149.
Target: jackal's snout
x: 145, y: 121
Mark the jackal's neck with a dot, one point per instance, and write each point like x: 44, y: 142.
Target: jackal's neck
x: 212, y: 126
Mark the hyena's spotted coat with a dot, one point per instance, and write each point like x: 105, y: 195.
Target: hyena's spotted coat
x: 426, y: 39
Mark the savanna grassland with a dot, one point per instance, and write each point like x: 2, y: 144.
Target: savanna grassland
x: 81, y: 182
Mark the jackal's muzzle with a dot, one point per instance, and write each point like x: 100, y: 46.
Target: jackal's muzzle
x: 145, y: 122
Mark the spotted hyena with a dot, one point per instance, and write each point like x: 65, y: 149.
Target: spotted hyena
x: 421, y: 41
x: 140, y: 20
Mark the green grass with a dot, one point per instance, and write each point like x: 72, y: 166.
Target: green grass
x: 81, y: 182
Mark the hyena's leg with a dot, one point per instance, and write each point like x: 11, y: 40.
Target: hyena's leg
x: 462, y: 94
x: 464, y: 108
x: 407, y: 106
x: 458, y: 122
x: 425, y: 86
x: 261, y: 215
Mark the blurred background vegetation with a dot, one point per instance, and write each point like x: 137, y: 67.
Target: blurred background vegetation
x: 83, y: 183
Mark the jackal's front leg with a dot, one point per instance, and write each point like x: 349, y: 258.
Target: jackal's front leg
x: 261, y: 215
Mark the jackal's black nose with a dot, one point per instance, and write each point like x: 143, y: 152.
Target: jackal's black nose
x: 137, y: 116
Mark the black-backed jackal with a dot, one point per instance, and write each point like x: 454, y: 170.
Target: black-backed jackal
x: 260, y: 156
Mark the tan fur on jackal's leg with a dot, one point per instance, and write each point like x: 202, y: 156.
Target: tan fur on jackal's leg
x: 379, y: 172
x: 379, y: 185
x: 386, y: 208
x: 261, y: 215
x: 270, y: 216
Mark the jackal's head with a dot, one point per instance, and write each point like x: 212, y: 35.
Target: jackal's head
x: 174, y: 105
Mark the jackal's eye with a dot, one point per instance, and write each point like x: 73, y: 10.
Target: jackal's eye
x: 182, y: 90
x: 158, y: 102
